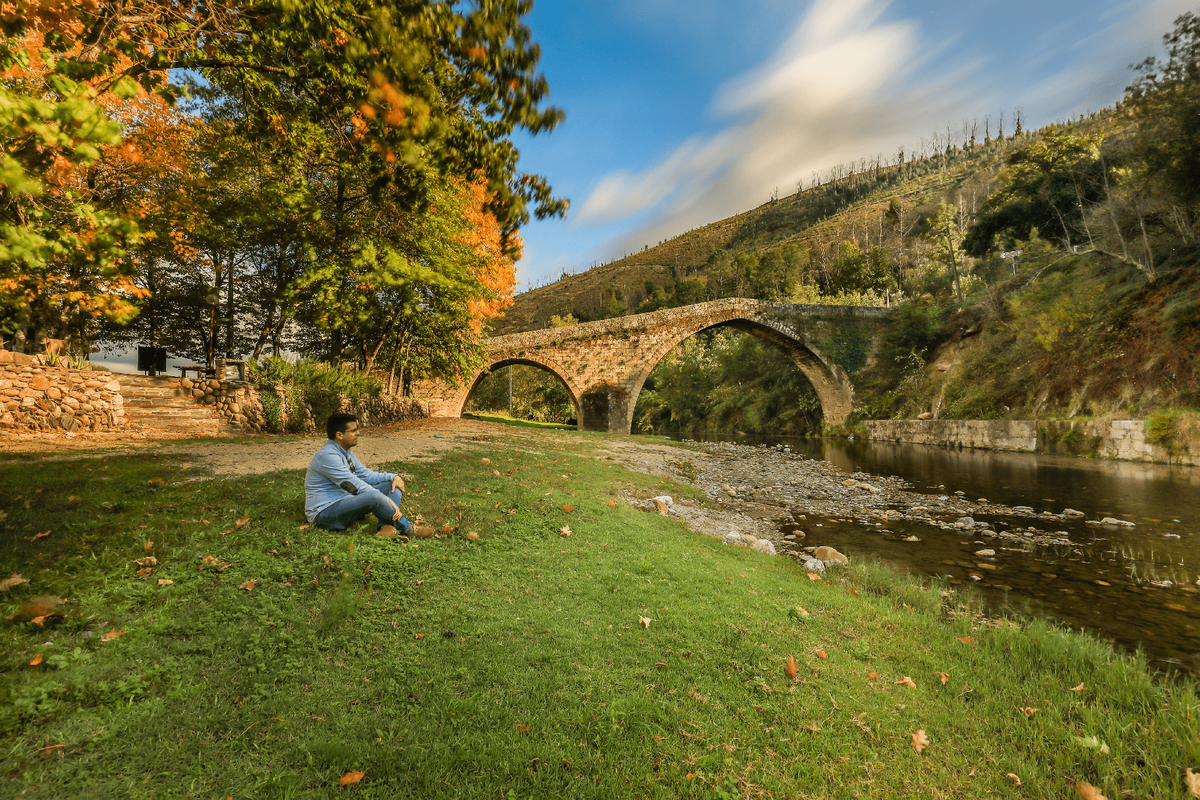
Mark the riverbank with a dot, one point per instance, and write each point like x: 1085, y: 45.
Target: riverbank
x: 1161, y: 440
x: 555, y: 640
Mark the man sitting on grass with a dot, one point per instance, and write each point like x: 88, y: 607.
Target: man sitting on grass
x: 339, y: 490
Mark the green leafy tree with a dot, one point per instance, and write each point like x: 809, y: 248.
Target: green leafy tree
x: 1047, y: 185
x: 1166, y: 102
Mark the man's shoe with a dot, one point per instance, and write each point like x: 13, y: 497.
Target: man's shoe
x: 421, y: 532
x: 388, y: 531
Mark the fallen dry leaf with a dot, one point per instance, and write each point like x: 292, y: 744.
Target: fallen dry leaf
x: 906, y: 681
x: 472, y: 535
x: 37, y: 608
x: 944, y: 678
x: 418, y: 636
x: 8, y: 583
x: 1016, y: 780
x: 165, y: 581
x: 1029, y: 712
x: 485, y: 461
x: 248, y: 585
x: 243, y: 521
x: 36, y: 660
x: 148, y: 546
x: 40, y: 621
x: 144, y: 571
x: 565, y: 530
x: 812, y: 576
x: 148, y: 561
x: 447, y: 528
x: 791, y: 669
x: 803, y: 613
x: 966, y: 640
x: 350, y: 778
x: 50, y: 750
x: 645, y: 621
x: 612, y: 503
x: 113, y: 634
x: 1078, y: 688
x: 1192, y: 779
x: 872, y: 675
x: 920, y: 741
x: 37, y: 536
x: 568, y: 508
x: 303, y: 527
x: 822, y: 654
x: 1088, y: 792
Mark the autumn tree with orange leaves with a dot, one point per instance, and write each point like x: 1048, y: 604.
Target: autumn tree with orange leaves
x: 374, y: 117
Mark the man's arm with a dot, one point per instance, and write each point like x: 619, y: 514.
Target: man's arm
x: 332, y: 466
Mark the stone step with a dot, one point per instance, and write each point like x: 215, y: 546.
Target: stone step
x: 169, y: 413
x: 168, y: 397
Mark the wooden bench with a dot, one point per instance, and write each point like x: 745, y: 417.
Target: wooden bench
x: 200, y: 371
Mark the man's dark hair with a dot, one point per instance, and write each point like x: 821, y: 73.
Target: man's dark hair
x: 337, y: 423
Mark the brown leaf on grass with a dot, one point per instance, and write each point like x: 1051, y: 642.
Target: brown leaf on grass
x: 303, y: 527
x: 612, y: 503
x: 791, y: 669
x: 37, y: 609
x: 15, y: 580
x: 50, y: 750
x: 144, y: 571
x: 418, y: 636
x: 568, y: 508
x: 113, y: 634
x: 564, y: 531
x: 485, y: 461
x: 1088, y: 792
x: 148, y: 546
x: 37, y: 536
x: 944, y: 678
x: 1078, y: 688
x: 645, y: 622
x: 165, y: 581
x: 447, y: 528
x: 802, y: 611
x: 872, y: 675
x: 350, y: 778
x: 243, y: 521
x: 906, y: 681
x: 966, y: 640
x: 248, y: 585
x: 812, y: 576
x: 1192, y: 779
x: 1029, y: 712
x: 822, y: 654
x: 920, y: 741
x: 1016, y: 780
x: 41, y: 621
x: 36, y: 660
x: 148, y: 561
x: 472, y: 535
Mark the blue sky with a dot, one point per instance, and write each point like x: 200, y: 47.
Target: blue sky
x: 683, y: 112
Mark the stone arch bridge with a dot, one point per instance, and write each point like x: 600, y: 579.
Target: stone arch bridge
x: 604, y: 364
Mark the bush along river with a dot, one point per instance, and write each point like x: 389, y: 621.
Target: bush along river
x: 1111, y: 547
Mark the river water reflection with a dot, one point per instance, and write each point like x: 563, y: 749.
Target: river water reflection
x: 1137, y: 586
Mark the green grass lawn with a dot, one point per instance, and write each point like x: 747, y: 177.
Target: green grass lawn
x: 263, y: 658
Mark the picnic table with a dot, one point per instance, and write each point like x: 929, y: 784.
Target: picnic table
x: 200, y: 371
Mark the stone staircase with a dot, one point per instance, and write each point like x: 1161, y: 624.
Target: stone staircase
x: 161, y: 404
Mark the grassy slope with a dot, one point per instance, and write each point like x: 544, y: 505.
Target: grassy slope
x: 515, y: 664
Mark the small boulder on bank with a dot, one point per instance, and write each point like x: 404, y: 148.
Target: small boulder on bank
x: 828, y: 555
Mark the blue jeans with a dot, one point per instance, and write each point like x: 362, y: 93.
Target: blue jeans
x: 348, y: 510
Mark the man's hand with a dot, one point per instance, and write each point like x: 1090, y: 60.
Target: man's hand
x: 397, y: 515
x: 397, y: 483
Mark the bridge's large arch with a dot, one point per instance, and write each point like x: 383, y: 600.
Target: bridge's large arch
x: 456, y: 405
x: 830, y: 381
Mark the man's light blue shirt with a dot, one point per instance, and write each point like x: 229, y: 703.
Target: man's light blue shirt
x: 333, y: 473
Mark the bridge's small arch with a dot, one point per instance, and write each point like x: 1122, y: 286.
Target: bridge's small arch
x: 499, y: 364
x: 831, y: 383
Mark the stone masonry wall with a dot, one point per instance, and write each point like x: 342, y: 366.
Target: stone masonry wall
x: 37, y: 396
x: 241, y: 403
x: 1121, y: 439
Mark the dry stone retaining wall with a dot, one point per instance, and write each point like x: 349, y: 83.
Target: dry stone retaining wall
x: 35, y: 395
x: 1120, y: 439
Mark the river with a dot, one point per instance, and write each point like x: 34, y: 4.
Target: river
x: 1136, y: 586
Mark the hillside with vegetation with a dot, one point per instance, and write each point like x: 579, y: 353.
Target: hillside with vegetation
x: 1043, y: 273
